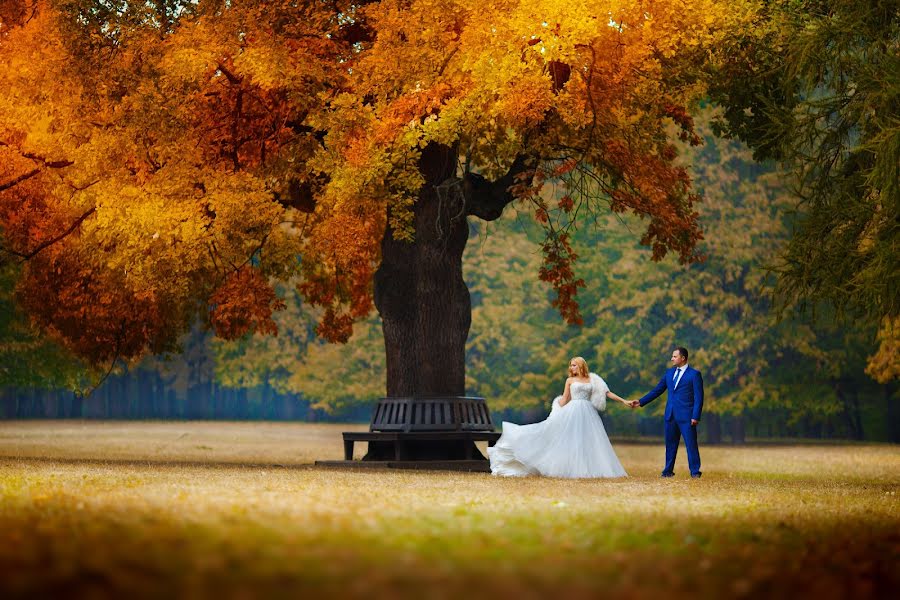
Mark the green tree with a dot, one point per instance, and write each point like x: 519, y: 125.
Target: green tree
x: 816, y: 84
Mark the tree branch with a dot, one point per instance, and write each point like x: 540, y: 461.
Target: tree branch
x: 18, y: 180
x: 486, y: 200
x: 112, y: 363
x: 50, y: 164
x: 301, y: 195
x: 297, y: 126
x: 231, y: 77
x: 50, y: 242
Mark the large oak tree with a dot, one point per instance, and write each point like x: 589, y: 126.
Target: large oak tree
x: 169, y: 160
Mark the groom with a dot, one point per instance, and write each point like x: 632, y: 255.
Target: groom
x: 683, y: 408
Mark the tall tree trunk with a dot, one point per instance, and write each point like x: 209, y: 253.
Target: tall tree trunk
x: 737, y: 429
x: 119, y: 399
x: 856, y: 412
x: 419, y: 289
x: 288, y: 407
x: 420, y: 293
x: 806, y: 427
x: 240, y: 409
x: 51, y: 404
x: 144, y: 394
x: 893, y: 412
x: 713, y: 425
x: 38, y: 404
x: 21, y: 404
x: 172, y: 405
x: 76, y: 409
x: 8, y: 400
x: 850, y: 403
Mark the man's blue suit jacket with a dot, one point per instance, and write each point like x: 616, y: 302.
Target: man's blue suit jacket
x: 683, y: 403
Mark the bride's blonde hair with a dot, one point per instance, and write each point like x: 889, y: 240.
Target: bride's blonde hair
x: 582, y: 366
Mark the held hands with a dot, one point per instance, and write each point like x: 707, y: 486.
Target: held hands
x: 637, y: 403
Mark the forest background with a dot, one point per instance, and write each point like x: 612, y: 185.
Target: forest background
x: 767, y: 374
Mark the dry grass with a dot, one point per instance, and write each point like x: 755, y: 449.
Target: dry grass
x: 237, y: 510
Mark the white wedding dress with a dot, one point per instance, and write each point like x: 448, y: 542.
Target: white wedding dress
x: 571, y: 442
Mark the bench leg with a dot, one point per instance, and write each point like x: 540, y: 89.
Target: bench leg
x: 399, y: 450
x: 348, y: 449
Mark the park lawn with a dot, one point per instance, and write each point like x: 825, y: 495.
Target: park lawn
x: 205, y: 509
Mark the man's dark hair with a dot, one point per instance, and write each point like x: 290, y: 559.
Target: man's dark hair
x: 683, y: 352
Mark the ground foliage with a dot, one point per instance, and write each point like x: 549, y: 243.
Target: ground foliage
x: 236, y: 510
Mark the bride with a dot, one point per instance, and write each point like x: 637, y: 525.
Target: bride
x: 571, y: 442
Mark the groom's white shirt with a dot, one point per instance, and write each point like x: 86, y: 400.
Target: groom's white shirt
x: 678, y: 377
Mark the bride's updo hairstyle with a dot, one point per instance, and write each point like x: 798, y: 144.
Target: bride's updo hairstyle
x: 582, y: 366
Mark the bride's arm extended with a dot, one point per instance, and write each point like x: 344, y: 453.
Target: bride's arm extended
x: 617, y: 397
x: 567, y: 395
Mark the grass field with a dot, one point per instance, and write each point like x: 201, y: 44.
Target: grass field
x: 203, y: 509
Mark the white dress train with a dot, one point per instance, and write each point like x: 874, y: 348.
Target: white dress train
x: 571, y: 442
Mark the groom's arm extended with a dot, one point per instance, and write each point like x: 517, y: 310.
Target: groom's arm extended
x: 698, y: 397
x: 654, y: 393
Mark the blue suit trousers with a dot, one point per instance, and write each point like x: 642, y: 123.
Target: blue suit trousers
x: 675, y: 430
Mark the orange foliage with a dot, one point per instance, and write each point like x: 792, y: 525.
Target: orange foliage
x: 557, y: 271
x: 189, y: 142
x: 92, y: 310
x: 338, y: 267
x: 243, y: 304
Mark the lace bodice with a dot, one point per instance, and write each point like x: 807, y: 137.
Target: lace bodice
x: 580, y: 391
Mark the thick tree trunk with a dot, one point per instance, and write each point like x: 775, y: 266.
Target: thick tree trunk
x: 420, y: 293
x: 419, y: 289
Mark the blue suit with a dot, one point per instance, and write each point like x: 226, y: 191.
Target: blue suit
x: 683, y: 404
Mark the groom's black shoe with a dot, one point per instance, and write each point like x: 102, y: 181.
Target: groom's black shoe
x: 664, y: 474
x: 696, y: 475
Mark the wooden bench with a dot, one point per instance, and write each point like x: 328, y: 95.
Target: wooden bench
x: 399, y: 439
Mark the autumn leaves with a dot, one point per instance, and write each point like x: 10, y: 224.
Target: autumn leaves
x: 185, y: 130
